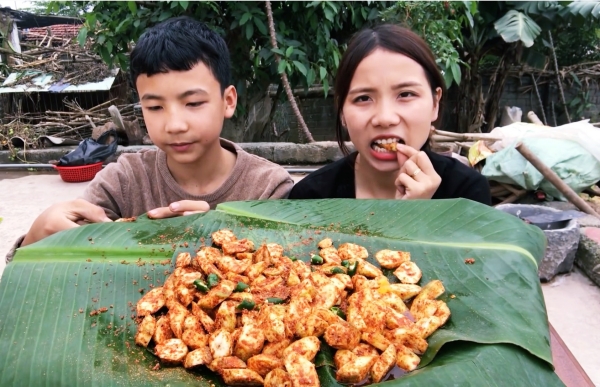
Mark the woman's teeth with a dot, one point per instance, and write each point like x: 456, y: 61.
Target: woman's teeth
x: 385, y: 145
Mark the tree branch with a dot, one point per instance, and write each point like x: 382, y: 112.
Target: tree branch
x: 284, y: 79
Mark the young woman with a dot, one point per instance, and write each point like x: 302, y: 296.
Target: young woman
x: 388, y: 95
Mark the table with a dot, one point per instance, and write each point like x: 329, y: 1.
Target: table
x: 565, y: 365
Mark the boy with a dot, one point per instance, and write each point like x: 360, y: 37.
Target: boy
x: 181, y: 71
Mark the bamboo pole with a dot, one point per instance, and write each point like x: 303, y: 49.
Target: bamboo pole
x: 556, y: 181
x: 560, y: 88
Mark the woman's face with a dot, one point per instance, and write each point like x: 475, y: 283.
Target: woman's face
x: 389, y: 100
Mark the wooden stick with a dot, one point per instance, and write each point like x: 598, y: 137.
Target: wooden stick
x: 90, y: 120
x: 556, y: 181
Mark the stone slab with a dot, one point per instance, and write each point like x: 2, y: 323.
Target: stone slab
x: 588, y: 253
x: 321, y: 152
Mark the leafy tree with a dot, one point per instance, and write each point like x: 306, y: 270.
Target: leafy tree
x: 64, y: 8
x: 310, y: 36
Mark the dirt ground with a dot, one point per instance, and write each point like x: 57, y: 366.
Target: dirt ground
x: 572, y: 300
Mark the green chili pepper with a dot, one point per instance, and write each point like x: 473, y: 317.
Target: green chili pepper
x: 240, y: 287
x: 212, y: 280
x: 352, y: 268
x: 316, y: 260
x: 293, y: 259
x: 246, y: 304
x: 345, y: 263
x: 200, y: 285
x: 338, y: 311
x: 275, y: 300
x: 337, y: 270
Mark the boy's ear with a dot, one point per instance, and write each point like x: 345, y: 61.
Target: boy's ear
x: 230, y: 98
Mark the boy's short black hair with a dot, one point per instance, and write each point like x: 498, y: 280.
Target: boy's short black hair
x: 178, y: 44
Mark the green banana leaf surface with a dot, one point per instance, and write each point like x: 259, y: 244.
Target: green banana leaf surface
x: 67, y: 302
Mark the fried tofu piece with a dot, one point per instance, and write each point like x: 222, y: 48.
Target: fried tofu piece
x: 352, y: 252
x: 395, y: 319
x: 368, y: 269
x: 217, y: 294
x: 239, y: 246
x: 376, y: 339
x: 183, y: 260
x: 280, y: 271
x: 364, y: 349
x: 192, y: 322
x: 223, y: 236
x: 207, y: 322
x: 229, y: 264
x: 329, y: 316
x: 237, y: 278
x: 177, y: 314
x: 145, y: 331
x: 394, y: 301
x: 355, y: 370
x: 276, y: 349
x: 262, y: 255
x: 255, y: 270
x: 325, y: 243
x: 187, y: 279
x: 405, y: 291
x: 271, y: 322
x: 275, y: 250
x: 151, y: 302
x: 241, y: 377
x: 391, y: 259
x: 311, y: 325
x: 353, y: 312
x: 408, y: 273
x: 302, y: 269
x: 306, y: 347
x: 409, y: 339
x: 344, y: 279
x: 224, y: 363
x: 171, y: 351
x: 293, y: 278
x: 385, y: 362
x: 429, y: 292
x: 342, y: 336
x: 427, y: 325
x: 249, y: 343
x: 225, y: 317
x: 194, y: 339
x: 328, y: 294
x: 373, y: 313
x: 278, y: 378
x: 301, y: 370
x: 206, y: 258
x: 184, y: 295
x: 343, y: 356
x: 163, y: 331
x: 406, y: 359
x: 330, y: 255
x: 263, y: 364
x: 220, y: 343
x: 200, y: 356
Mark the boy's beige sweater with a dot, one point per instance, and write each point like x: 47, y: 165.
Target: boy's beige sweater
x: 140, y: 182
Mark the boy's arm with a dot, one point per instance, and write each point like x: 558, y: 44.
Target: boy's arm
x: 282, y: 190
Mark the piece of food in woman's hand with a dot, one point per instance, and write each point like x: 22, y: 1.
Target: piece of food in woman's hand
x: 126, y: 220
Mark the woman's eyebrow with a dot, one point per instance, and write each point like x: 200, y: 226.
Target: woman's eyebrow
x: 394, y: 87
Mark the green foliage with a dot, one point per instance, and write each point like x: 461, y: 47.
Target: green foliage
x: 310, y: 35
x: 59, y: 8
x: 438, y: 24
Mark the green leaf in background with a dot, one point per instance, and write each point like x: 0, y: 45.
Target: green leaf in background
x: 497, y: 334
x: 82, y: 36
x: 300, y: 67
x: 515, y: 26
x: 132, y: 7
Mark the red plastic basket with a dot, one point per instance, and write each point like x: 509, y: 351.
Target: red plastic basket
x: 80, y: 173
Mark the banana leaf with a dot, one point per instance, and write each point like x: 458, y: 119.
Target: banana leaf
x: 67, y: 302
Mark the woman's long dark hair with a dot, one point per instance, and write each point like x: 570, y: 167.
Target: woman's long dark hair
x: 392, y: 38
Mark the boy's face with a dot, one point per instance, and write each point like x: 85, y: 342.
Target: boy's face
x: 184, y: 112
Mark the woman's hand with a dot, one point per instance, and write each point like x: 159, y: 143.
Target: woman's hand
x: 417, y: 178
x: 180, y: 208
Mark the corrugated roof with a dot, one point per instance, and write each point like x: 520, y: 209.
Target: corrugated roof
x: 65, y: 31
x: 46, y: 83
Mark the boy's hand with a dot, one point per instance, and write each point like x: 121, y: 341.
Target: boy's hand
x: 180, y: 208
x: 62, y: 216
x: 417, y: 179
